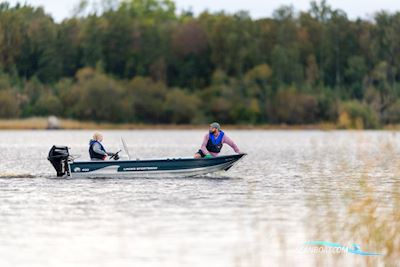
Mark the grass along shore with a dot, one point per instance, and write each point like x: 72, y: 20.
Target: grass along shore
x: 40, y: 123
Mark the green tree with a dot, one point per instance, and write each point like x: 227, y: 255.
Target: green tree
x: 181, y: 107
x: 8, y: 104
x: 293, y: 107
x: 98, y: 97
x: 48, y: 104
x: 147, y: 99
x: 354, y: 114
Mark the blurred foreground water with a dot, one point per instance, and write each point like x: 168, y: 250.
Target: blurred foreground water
x: 292, y: 188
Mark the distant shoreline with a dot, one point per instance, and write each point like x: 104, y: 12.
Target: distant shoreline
x: 68, y: 124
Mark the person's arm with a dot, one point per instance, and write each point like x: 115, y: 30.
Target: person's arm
x: 230, y: 143
x: 97, y: 149
x: 203, y: 146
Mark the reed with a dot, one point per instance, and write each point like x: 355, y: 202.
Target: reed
x: 40, y: 123
x: 371, y: 213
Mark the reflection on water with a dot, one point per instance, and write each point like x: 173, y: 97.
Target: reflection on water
x: 292, y: 188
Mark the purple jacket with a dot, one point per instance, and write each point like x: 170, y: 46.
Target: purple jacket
x: 225, y: 140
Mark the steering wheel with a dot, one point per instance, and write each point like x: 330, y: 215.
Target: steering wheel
x: 115, y: 156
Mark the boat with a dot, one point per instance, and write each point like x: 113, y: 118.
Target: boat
x: 67, y: 166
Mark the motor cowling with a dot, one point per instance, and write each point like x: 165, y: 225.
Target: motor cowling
x: 58, y: 156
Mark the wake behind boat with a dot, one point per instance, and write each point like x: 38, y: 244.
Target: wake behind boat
x: 67, y: 166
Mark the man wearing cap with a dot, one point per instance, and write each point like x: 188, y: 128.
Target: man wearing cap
x: 213, y: 142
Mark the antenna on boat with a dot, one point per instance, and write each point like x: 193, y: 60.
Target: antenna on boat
x: 125, y: 148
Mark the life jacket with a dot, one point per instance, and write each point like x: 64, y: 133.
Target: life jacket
x: 92, y: 153
x: 215, y: 145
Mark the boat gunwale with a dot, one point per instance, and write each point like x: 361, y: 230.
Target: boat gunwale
x: 238, y: 156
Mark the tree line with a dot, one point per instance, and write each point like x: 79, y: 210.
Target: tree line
x: 142, y: 61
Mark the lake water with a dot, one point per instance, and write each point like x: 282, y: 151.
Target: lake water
x: 293, y: 187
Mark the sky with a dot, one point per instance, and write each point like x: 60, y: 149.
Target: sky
x: 61, y: 9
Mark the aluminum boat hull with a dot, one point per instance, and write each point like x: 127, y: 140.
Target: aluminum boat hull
x: 181, y: 167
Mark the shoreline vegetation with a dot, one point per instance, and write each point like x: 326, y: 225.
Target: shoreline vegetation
x: 41, y: 123
x: 142, y: 62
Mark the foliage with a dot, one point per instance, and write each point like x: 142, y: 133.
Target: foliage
x: 353, y: 114
x: 141, y: 61
x: 8, y: 104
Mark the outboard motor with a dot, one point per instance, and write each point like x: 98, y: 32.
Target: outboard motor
x: 58, y: 156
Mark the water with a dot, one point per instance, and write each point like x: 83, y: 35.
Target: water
x: 290, y: 189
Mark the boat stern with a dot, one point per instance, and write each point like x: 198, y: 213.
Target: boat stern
x: 59, y: 157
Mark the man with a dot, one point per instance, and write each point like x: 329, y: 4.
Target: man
x: 96, y: 149
x: 213, y: 142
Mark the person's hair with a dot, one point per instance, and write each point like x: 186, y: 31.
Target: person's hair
x: 97, y: 136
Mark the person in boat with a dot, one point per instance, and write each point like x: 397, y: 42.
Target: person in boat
x: 96, y: 149
x: 213, y: 142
